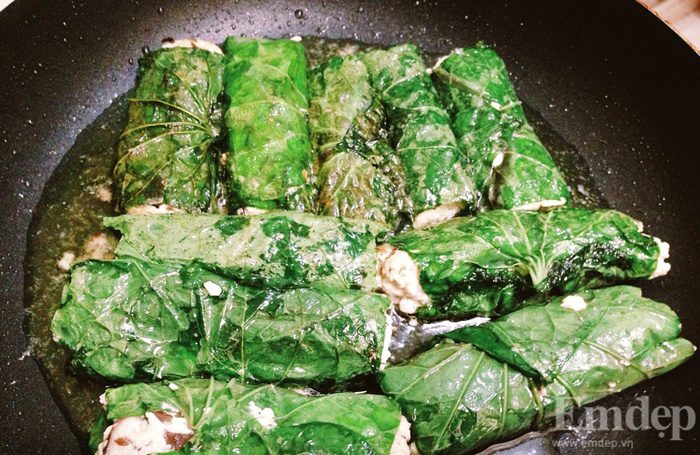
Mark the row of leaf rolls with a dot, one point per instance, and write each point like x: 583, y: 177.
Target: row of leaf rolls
x: 363, y: 136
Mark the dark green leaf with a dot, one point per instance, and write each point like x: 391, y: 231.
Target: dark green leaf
x: 492, y: 263
x: 127, y: 319
x: 165, y: 154
x: 223, y: 422
x: 359, y: 174
x: 460, y: 398
x: 277, y: 249
x: 541, y: 340
x: 419, y: 129
x: 269, y: 161
x: 491, y: 127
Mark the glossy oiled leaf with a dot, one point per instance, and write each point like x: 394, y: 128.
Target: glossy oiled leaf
x: 127, y: 319
x: 507, y: 162
x: 360, y: 176
x: 277, y: 249
x: 459, y: 399
x: 419, y: 129
x: 310, y: 336
x: 165, y: 154
x: 220, y: 415
x: 491, y: 263
x: 269, y: 161
x: 356, y: 187
x: 343, y: 112
x: 617, y: 322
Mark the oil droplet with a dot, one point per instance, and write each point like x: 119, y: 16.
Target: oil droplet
x: 299, y: 14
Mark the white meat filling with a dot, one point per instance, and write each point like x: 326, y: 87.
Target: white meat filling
x: 66, y: 261
x: 147, y: 434
x: 574, y: 303
x: 250, y: 211
x: 546, y: 204
x: 212, y: 288
x: 192, y: 43
x: 662, y: 267
x: 388, y: 331
x: 437, y: 215
x: 148, y: 209
x: 398, y: 276
x: 403, y: 435
x: 264, y: 416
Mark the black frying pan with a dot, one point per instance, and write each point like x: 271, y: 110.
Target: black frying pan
x: 609, y: 77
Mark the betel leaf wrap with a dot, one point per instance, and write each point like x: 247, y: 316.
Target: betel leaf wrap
x: 277, y: 249
x: 165, y: 154
x: 494, y: 262
x: 359, y: 174
x: 222, y: 417
x: 419, y: 129
x: 269, y: 161
x: 460, y: 398
x: 124, y: 320
x: 344, y: 113
x: 128, y: 320
x: 509, y: 165
x: 555, y: 342
x: 313, y: 336
x: 356, y: 187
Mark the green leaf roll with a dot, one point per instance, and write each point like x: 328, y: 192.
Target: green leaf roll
x: 277, y: 249
x: 202, y: 416
x: 344, y: 113
x: 165, y: 157
x: 128, y: 320
x: 460, y: 398
x: 359, y: 176
x: 508, y: 164
x: 269, y: 162
x: 419, y: 128
x: 495, y: 262
x: 555, y: 342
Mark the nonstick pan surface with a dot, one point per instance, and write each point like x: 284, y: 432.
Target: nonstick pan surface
x: 608, y: 77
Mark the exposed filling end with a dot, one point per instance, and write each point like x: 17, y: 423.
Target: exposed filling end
x: 148, y: 209
x: 398, y: 276
x: 154, y: 432
x: 546, y: 204
x: 437, y: 215
x: 192, y: 44
x: 403, y: 435
x: 662, y: 267
x: 248, y: 211
x: 574, y: 303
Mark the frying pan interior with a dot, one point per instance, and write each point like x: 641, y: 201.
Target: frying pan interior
x: 608, y: 77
